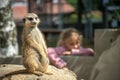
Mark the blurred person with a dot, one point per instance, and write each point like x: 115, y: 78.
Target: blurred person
x: 68, y: 44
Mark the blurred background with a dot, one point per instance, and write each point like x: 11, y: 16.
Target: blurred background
x: 84, y: 15
x: 98, y: 21
x: 55, y: 15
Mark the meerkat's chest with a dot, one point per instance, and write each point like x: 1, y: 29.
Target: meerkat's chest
x: 37, y: 35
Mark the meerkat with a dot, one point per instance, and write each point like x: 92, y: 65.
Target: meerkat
x: 34, y: 49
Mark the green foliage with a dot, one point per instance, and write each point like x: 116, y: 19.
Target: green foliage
x: 95, y: 4
x: 111, y: 2
x: 73, y: 3
x: 70, y: 19
x: 73, y: 17
x: 96, y: 16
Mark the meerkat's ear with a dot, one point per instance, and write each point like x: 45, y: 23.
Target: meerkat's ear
x: 23, y: 20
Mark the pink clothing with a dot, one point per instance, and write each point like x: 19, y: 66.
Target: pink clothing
x: 55, y: 53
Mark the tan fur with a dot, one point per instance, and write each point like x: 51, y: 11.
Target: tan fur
x: 35, y: 57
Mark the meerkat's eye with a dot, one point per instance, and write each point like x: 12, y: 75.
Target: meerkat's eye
x: 30, y: 18
x: 36, y: 18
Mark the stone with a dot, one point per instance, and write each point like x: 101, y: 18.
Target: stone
x: 18, y: 72
x: 104, y: 38
x: 108, y: 64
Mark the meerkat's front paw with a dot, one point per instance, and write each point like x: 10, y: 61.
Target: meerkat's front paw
x: 49, y: 73
x: 38, y: 73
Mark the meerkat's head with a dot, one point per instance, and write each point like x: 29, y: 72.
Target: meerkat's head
x: 31, y: 20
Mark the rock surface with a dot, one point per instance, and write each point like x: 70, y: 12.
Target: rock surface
x: 18, y: 72
x: 108, y: 65
x: 81, y: 65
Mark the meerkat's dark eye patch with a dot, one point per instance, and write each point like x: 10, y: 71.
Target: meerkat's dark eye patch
x: 30, y: 18
x: 23, y: 20
x: 36, y: 18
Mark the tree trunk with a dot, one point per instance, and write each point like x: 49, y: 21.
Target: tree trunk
x: 8, y: 34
